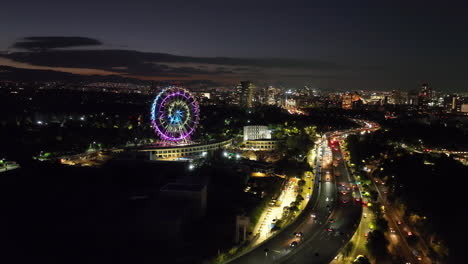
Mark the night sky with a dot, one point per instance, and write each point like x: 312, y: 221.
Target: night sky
x: 324, y: 44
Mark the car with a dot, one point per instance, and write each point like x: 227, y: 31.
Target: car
x: 293, y: 244
x: 298, y: 234
x: 392, y: 230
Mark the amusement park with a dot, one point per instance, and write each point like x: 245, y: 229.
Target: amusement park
x: 175, y: 114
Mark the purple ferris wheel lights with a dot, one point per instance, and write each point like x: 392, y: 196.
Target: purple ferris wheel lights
x: 174, y: 114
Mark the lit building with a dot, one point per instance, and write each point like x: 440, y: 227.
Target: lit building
x: 290, y: 103
x: 271, y: 95
x: 425, y: 96
x: 349, y: 99
x: 464, y: 108
x: 244, y: 93
x: 413, y: 97
x: 174, y: 152
x: 262, y: 144
x: 256, y: 132
x: 454, y: 103
x: 377, y: 98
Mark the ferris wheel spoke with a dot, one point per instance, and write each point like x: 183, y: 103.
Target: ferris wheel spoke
x: 174, y: 113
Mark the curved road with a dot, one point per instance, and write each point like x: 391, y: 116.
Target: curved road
x: 337, y: 217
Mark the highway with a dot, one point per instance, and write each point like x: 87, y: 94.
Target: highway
x: 336, y: 217
x: 333, y: 232
x: 398, y: 238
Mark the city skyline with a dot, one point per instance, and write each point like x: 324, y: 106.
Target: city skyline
x: 335, y: 46
x: 240, y: 132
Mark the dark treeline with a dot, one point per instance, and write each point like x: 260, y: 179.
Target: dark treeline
x: 427, y: 184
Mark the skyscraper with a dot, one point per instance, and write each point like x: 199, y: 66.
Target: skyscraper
x: 271, y: 95
x: 244, y: 91
x: 424, y: 97
x: 349, y: 100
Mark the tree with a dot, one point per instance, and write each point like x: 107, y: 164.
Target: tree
x: 311, y: 131
x: 298, y: 144
x: 377, y: 243
x: 381, y: 224
x: 294, y: 208
x: 412, y: 240
x: 398, y: 260
x: 348, y: 248
x: 301, y: 183
x: 299, y: 198
x: 361, y: 260
x: 374, y: 195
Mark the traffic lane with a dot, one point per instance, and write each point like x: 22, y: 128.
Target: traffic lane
x: 278, y: 246
x: 324, y: 246
x: 313, y: 228
x: 309, y: 225
x: 391, y: 215
x: 404, y: 247
x: 399, y: 246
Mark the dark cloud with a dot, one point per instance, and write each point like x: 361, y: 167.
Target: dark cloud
x: 46, y: 43
x: 117, y: 58
x: 18, y: 74
x: 52, y: 52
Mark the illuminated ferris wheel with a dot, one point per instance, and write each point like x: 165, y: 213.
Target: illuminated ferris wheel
x: 174, y: 114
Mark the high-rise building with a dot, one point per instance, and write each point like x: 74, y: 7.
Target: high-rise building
x: 399, y: 97
x: 271, y: 95
x: 244, y: 92
x: 413, y: 97
x: 424, y: 97
x: 349, y: 99
x: 454, y: 103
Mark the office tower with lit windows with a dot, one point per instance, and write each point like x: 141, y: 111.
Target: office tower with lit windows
x: 244, y: 92
x: 424, y: 97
